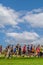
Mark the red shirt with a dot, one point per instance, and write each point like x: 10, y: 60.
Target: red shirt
x: 24, y: 48
x: 38, y: 50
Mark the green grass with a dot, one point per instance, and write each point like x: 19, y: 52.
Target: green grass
x: 21, y: 61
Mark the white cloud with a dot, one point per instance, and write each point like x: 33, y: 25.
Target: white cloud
x: 24, y: 37
x: 39, y: 10
x: 2, y: 26
x: 38, y: 41
x: 8, y: 16
x: 16, y: 27
x: 35, y: 19
x: 9, y: 41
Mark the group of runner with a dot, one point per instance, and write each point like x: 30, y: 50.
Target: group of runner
x: 18, y: 50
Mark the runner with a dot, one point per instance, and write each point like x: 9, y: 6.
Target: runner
x: 38, y: 50
x: 24, y: 50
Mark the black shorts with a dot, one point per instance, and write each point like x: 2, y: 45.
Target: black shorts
x: 24, y: 52
x: 41, y: 53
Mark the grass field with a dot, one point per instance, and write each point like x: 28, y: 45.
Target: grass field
x: 21, y: 61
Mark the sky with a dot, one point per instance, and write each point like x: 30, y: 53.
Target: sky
x: 21, y: 21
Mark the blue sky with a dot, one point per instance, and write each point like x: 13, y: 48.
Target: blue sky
x: 23, y: 4
x: 21, y: 21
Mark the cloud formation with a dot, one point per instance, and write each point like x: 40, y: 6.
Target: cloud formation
x: 24, y: 37
x: 35, y: 20
x: 9, y: 16
x: 12, y: 17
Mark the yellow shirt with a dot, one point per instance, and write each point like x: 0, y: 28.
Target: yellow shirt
x: 41, y: 49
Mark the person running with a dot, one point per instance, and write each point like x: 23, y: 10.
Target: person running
x: 41, y: 50
x: 14, y: 50
x: 8, y: 52
x: 33, y: 50
x: 20, y: 50
x: 28, y: 51
x: 11, y: 50
x: 38, y: 50
x: 24, y: 49
x: 17, y: 49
